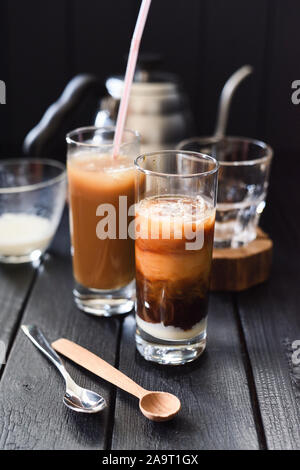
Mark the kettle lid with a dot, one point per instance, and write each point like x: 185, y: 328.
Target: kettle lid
x: 147, y: 72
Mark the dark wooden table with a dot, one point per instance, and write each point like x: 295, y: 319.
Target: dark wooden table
x: 243, y: 393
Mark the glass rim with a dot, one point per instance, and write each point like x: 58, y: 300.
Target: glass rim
x: 214, y: 139
x: 71, y: 134
x: 32, y: 187
x: 176, y: 175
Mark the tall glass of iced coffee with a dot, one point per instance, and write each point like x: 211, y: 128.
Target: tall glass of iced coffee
x: 174, y: 230
x: 101, y: 191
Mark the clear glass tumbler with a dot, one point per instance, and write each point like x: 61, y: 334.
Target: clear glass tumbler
x: 32, y: 198
x: 174, y: 229
x: 242, y: 187
x: 101, y: 191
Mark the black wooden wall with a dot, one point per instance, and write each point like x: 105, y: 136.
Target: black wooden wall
x: 44, y: 43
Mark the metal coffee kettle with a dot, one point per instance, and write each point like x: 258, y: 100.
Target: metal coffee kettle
x: 158, y: 109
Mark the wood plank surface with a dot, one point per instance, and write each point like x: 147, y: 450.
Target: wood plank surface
x: 282, y: 70
x: 101, y: 34
x: 271, y: 321
x: 15, y: 284
x: 219, y: 396
x: 216, y: 407
x: 235, y: 34
x: 38, y: 62
x: 4, y: 75
x: 43, y: 44
x: 33, y: 415
x: 175, y: 31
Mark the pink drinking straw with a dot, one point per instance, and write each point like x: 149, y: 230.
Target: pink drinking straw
x: 130, y: 69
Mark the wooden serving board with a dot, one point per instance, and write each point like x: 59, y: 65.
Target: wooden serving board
x: 237, y: 269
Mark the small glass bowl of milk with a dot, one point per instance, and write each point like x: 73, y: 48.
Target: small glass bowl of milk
x: 32, y: 198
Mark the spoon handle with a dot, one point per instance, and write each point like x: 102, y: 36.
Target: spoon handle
x: 39, y: 340
x: 98, y: 366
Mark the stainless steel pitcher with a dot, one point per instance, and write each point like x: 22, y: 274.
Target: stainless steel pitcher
x: 158, y: 107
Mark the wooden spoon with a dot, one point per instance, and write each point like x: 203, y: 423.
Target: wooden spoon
x: 157, y: 406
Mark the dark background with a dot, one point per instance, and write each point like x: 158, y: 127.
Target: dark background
x: 45, y: 43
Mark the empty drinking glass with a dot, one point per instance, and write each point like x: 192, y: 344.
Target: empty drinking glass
x: 242, y: 185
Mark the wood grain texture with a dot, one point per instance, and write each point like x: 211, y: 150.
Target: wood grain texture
x: 237, y: 269
x: 101, y: 36
x: 38, y: 58
x: 217, y: 393
x: 32, y: 412
x: 271, y: 322
x: 202, y: 40
x: 174, y: 30
x: 235, y: 34
x: 95, y: 364
x: 281, y: 70
x: 4, y: 75
x: 216, y: 410
x: 15, y: 283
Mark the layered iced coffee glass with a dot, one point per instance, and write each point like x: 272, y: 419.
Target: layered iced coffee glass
x: 101, y: 191
x: 174, y: 230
